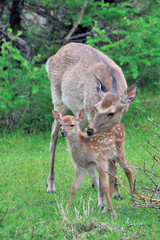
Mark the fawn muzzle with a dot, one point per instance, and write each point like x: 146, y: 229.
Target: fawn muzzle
x: 63, y: 133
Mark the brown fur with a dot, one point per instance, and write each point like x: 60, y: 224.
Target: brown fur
x: 109, y: 100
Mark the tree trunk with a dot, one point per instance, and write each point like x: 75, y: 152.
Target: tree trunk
x: 15, y: 14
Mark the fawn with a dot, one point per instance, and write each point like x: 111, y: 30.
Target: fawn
x: 98, y: 152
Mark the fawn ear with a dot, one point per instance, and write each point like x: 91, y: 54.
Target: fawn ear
x: 80, y: 115
x: 100, y: 87
x: 129, y: 94
x: 58, y: 116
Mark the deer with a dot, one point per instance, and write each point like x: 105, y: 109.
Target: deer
x: 98, y: 152
x: 83, y: 77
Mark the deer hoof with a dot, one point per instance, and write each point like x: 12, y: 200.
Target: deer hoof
x: 51, y: 188
x: 100, y: 208
x: 51, y: 192
x: 118, y: 197
x: 113, y: 214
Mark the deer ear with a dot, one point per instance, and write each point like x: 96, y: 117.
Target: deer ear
x: 80, y: 115
x: 58, y: 116
x: 101, y: 88
x: 129, y: 94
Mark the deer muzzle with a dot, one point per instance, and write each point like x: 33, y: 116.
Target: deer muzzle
x: 90, y: 131
x: 63, y: 133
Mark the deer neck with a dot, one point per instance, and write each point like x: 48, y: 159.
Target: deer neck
x: 75, y: 140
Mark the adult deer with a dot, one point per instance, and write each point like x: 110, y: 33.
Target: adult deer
x: 83, y: 77
x: 97, y: 152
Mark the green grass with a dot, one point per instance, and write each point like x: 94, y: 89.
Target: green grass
x: 28, y: 212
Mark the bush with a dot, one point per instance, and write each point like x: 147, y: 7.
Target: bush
x: 25, y: 91
x: 130, y: 38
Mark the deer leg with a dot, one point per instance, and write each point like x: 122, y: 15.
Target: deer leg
x: 116, y: 193
x: 101, y: 202
x: 127, y: 170
x: 54, y: 139
x: 105, y: 190
x: 130, y: 179
x: 112, y: 170
x: 94, y: 178
x: 79, y: 175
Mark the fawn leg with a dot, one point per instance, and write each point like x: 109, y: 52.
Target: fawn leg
x: 79, y: 175
x: 105, y: 190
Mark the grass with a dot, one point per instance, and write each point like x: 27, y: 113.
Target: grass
x: 28, y: 212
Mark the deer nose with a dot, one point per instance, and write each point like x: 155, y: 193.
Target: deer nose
x: 63, y: 133
x: 90, y: 131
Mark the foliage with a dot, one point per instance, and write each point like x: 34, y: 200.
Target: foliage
x: 131, y: 41
x: 24, y: 90
x: 146, y: 105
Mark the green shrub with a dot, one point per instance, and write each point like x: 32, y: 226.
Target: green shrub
x: 24, y: 91
x: 131, y: 39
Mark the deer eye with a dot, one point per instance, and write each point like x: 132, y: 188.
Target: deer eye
x: 111, y: 114
x: 71, y: 125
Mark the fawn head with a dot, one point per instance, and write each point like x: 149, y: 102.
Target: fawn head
x: 110, y: 109
x: 69, y: 124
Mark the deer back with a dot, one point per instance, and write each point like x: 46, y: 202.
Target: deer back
x: 71, y: 69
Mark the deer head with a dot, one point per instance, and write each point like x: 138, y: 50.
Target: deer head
x: 69, y: 124
x: 110, y: 109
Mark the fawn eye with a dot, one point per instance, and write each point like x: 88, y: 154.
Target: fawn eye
x: 71, y: 125
x: 111, y: 114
